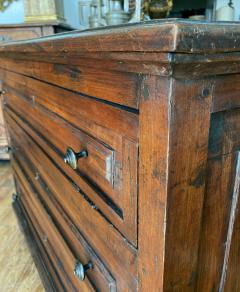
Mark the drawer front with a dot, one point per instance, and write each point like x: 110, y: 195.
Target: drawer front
x: 101, y: 277
x: 63, y: 122
x: 73, y: 273
x: 98, y: 164
x: 118, y: 255
x: 51, y: 280
x: 113, y: 86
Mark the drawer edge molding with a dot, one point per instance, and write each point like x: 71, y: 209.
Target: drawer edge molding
x: 96, y: 261
x: 130, y: 254
x: 58, y: 152
x: 10, y: 114
x: 35, y: 251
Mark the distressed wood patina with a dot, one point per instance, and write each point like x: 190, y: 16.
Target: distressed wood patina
x: 153, y: 204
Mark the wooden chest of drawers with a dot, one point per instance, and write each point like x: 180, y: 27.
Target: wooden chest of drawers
x: 22, y: 32
x: 125, y: 151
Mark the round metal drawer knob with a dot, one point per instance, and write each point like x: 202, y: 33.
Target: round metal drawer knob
x: 80, y: 269
x: 71, y: 157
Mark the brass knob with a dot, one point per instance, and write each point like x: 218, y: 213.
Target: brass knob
x: 71, y: 157
x: 80, y: 269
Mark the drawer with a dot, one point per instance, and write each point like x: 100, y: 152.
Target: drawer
x: 97, y: 165
x: 74, y: 274
x: 42, y: 261
x: 101, y: 278
x: 118, y: 255
x: 83, y: 78
x: 107, y: 173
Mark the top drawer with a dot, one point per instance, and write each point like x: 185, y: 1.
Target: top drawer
x: 67, y: 125
x: 113, y: 86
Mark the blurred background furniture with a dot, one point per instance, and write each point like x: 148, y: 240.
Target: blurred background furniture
x: 30, y: 30
x: 83, y: 14
x: 97, y: 13
x: 44, y: 10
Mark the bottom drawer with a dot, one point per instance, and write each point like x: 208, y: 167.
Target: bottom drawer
x: 47, y: 273
x: 74, y: 274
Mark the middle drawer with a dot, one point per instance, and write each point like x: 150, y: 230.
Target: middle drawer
x: 107, y: 173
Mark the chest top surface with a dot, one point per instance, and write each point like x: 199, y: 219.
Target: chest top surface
x: 169, y: 35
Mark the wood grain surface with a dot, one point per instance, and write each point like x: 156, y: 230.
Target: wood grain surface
x: 19, y: 32
x: 156, y: 102
x: 175, y: 35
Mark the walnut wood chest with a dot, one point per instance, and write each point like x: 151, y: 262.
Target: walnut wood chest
x: 21, y: 32
x: 125, y: 150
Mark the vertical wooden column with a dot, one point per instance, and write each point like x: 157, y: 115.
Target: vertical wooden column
x: 188, y: 150
x: 154, y: 123
x: 174, y: 131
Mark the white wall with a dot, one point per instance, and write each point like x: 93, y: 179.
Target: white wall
x: 71, y: 12
x: 236, y: 3
x: 15, y: 13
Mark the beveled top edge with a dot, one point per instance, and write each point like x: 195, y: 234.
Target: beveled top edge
x: 168, y: 35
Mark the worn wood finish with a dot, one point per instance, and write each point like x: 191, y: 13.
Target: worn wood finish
x: 122, y: 259
x: 96, y: 84
x: 176, y: 35
x: 17, y: 33
x: 230, y: 281
x: 39, y: 255
x: 153, y: 181
x: 111, y: 184
x: 188, y: 139
x: 77, y: 243
x: 222, y: 185
x: 61, y: 257
x: 155, y: 205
